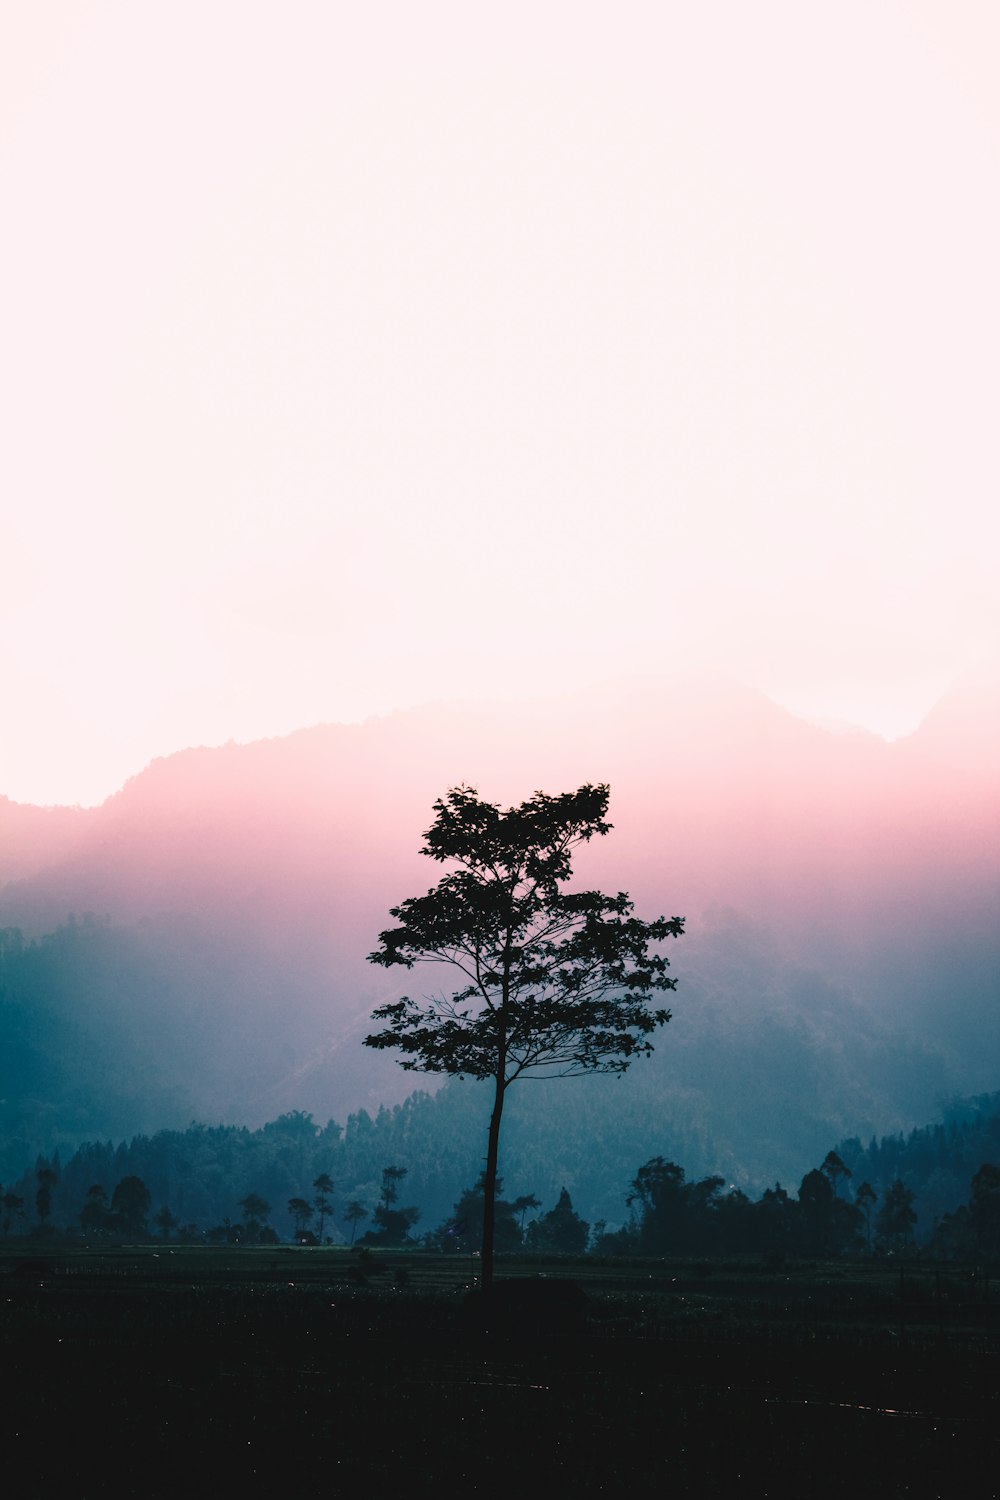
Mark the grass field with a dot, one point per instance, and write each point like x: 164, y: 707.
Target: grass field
x: 166, y: 1370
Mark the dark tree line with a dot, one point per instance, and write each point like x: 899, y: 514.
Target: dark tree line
x: 669, y: 1216
x: 675, y: 1217
x: 198, y: 1177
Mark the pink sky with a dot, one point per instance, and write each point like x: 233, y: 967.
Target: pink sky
x: 359, y: 355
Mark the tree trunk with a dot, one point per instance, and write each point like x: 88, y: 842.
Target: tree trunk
x: 493, y: 1146
x: 490, y: 1185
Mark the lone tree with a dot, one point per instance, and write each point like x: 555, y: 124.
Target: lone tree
x: 552, y: 979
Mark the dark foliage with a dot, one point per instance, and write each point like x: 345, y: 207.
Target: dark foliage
x: 550, y: 979
x: 199, y: 1180
x: 559, y: 1232
x: 463, y: 1231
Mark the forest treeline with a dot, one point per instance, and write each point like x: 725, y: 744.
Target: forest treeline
x: 403, y: 1177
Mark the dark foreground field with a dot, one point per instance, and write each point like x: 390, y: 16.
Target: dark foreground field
x: 311, y: 1371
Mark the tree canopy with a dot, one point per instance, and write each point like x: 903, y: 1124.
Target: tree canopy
x: 552, y: 979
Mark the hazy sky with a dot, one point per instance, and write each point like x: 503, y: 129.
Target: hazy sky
x: 354, y: 355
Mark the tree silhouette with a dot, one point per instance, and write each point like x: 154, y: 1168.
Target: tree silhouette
x: 835, y: 1170
x: 13, y: 1207
x: 394, y: 1224
x: 774, y: 1218
x: 674, y: 1215
x: 354, y: 1213
x: 166, y: 1221
x: 95, y: 1215
x: 130, y: 1204
x: 984, y: 1209
x: 895, y: 1219
x: 658, y: 1189
x: 301, y: 1212
x: 552, y: 979
x: 826, y: 1225
x: 47, y: 1180
x: 323, y: 1188
x: 464, y: 1230
x: 391, y: 1177
x: 865, y: 1198
x: 256, y: 1212
x: 561, y: 1231
x: 522, y: 1205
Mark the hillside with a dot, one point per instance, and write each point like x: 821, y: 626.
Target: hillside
x: 839, y: 973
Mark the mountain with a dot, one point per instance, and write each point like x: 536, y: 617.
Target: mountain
x: 840, y: 894
x: 962, y: 730
x: 33, y: 839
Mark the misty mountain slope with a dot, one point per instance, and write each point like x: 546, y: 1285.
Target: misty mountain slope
x: 106, y: 1030
x: 762, y: 1064
x: 245, y: 885
x: 105, y: 1033
x: 78, y: 1062
x: 33, y: 839
x: 718, y: 795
